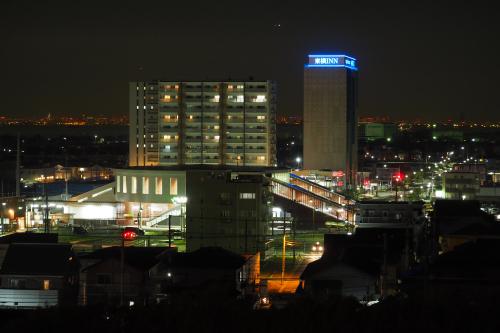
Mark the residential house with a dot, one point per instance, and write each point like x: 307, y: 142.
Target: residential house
x: 36, y: 275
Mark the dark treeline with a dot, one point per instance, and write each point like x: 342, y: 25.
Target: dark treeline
x: 302, y: 315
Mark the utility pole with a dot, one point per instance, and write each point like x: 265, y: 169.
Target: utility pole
x: 169, y: 231
x: 283, y: 260
x: 122, y: 273
x: 46, y: 220
x: 18, y: 167
x: 293, y: 235
x: 246, y: 235
x: 396, y: 198
x: 384, y: 268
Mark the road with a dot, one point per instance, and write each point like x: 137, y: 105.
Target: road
x: 271, y: 270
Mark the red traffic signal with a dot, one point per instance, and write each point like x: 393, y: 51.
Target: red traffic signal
x: 399, y: 176
x: 128, y: 235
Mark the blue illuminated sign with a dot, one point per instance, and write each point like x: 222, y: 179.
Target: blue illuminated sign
x: 327, y: 60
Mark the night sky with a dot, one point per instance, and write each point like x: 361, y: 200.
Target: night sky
x: 427, y: 60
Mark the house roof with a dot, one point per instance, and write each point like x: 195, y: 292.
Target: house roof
x: 39, y: 259
x: 141, y: 258
x: 449, y: 208
x: 470, y: 257
x: 365, y: 260
x: 28, y: 237
x: 474, y: 260
x: 205, y: 257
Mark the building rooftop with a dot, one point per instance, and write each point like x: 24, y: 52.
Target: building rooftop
x: 205, y: 257
x: 39, y: 259
x: 141, y: 258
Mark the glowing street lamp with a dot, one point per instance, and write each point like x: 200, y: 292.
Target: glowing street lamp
x: 298, y: 159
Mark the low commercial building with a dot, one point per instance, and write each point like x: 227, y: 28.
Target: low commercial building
x: 461, y: 185
x: 221, y: 206
x: 392, y: 213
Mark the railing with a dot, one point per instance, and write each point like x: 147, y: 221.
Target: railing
x: 312, y: 200
x: 319, y: 190
x: 162, y: 217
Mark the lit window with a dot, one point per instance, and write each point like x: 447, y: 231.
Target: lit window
x: 145, y: 185
x: 216, y: 98
x: 247, y: 195
x: 159, y: 186
x: 166, y: 137
x: 240, y: 86
x: 230, y: 86
x: 46, y: 284
x: 173, y: 186
x: 262, y: 158
x: 190, y: 117
x: 167, y: 117
x: 261, y: 117
x: 217, y: 137
x: 124, y: 184
x: 216, y: 127
x: 260, y: 98
x: 240, y: 99
x: 167, y: 148
x: 167, y: 98
x: 134, y: 185
x: 118, y: 184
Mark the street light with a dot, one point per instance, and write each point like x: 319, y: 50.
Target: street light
x: 298, y: 159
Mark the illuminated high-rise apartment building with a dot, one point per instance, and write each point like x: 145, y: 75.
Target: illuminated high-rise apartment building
x: 180, y: 123
x: 330, y: 115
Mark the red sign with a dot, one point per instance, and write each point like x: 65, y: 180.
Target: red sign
x: 339, y: 173
x: 129, y: 235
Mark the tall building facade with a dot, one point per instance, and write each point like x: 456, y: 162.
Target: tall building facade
x: 181, y: 123
x: 330, y: 115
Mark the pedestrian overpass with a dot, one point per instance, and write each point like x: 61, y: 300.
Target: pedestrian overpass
x: 314, y: 196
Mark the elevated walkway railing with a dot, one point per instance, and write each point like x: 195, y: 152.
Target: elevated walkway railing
x: 302, y: 196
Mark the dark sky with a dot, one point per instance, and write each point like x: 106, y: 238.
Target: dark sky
x: 429, y: 59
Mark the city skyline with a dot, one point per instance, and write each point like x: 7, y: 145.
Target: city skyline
x: 424, y: 60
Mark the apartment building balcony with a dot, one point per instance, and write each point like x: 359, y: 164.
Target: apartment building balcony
x: 233, y: 140
x: 211, y: 151
x: 169, y: 129
x: 255, y: 140
x: 255, y: 130
x: 256, y: 108
x: 234, y: 150
x: 192, y: 139
x: 255, y: 121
